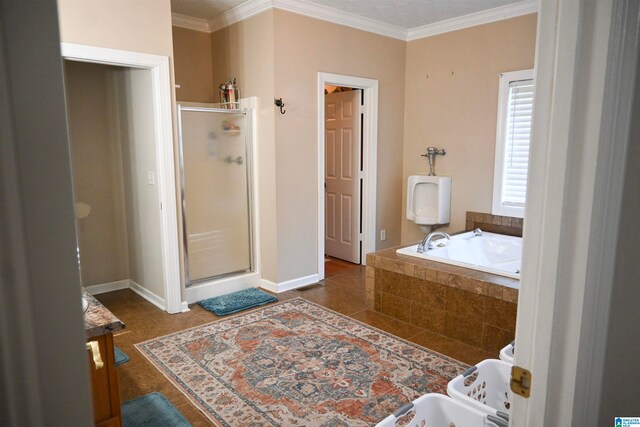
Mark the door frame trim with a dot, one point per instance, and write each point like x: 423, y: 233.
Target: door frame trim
x: 583, y: 109
x: 369, y: 160
x: 165, y: 173
x: 336, y: 247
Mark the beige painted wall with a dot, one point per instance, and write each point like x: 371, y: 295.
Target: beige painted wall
x: 304, y: 47
x: 279, y: 54
x: 97, y: 172
x: 142, y: 201
x: 193, y: 66
x: 451, y: 101
x: 245, y: 50
x: 118, y: 24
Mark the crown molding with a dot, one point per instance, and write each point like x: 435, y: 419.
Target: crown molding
x: 485, y: 17
x: 302, y: 7
x: 324, y: 13
x: 239, y: 13
x: 190, y: 23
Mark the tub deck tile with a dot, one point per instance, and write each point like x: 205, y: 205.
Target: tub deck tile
x: 395, y: 306
x: 396, y: 284
x: 510, y: 295
x: 469, y: 305
x: 494, y: 339
x: 494, y: 291
x: 430, y: 293
x: 428, y: 317
x: 463, y: 329
x: 500, y: 314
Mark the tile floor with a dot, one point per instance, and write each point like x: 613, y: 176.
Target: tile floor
x: 343, y: 292
x: 333, y: 266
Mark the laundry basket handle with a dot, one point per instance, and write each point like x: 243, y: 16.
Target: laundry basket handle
x: 503, y: 415
x: 469, y: 371
x: 498, y: 421
x: 402, y: 411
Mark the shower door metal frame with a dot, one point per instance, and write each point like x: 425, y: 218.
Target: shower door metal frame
x: 249, y: 176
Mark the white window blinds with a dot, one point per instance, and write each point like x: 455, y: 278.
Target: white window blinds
x: 517, y: 138
x: 513, y: 136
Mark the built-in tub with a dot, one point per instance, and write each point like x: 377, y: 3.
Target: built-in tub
x: 488, y: 252
x: 453, y: 298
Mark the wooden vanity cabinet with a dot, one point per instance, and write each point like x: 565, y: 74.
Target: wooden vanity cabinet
x: 104, y: 381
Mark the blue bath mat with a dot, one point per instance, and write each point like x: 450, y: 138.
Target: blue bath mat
x: 152, y: 410
x: 237, y: 301
x: 120, y: 357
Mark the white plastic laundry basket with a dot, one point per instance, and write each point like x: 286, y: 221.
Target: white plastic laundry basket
x: 507, y: 352
x: 435, y: 410
x: 484, y: 386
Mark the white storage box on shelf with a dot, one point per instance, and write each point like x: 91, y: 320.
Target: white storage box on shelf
x: 484, y: 386
x: 507, y: 352
x: 439, y: 410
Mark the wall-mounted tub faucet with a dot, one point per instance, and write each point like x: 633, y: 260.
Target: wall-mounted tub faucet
x: 432, y: 152
x: 426, y: 242
x: 477, y: 232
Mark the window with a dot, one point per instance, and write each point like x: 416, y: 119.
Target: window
x: 513, y: 137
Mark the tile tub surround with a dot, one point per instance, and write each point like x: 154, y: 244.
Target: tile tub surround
x: 469, y: 306
x: 494, y: 223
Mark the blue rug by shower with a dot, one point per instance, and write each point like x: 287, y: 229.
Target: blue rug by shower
x: 237, y: 301
x: 120, y: 357
x: 152, y: 410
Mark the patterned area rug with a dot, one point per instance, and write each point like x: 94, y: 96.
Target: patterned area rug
x: 297, y: 364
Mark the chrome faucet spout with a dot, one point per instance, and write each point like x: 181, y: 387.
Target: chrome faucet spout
x: 427, y: 241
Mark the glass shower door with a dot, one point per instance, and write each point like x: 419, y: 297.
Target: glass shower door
x: 215, y: 192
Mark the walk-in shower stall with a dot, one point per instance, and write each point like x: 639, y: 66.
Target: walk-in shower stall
x: 216, y: 166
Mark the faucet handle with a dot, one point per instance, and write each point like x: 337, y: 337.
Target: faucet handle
x: 433, y: 151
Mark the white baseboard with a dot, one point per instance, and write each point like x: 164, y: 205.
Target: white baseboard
x: 289, y: 284
x: 135, y: 287
x: 269, y: 286
x: 184, y: 307
x: 107, y: 287
x: 147, y: 294
x: 217, y: 287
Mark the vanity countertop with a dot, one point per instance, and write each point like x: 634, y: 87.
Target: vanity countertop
x: 98, y: 320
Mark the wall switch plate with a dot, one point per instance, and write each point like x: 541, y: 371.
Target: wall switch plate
x: 151, y: 178
x: 383, y: 235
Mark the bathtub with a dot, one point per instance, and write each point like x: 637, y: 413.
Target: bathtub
x: 491, y: 252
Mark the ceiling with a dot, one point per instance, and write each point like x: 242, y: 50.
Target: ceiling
x: 203, y: 9
x: 404, y: 14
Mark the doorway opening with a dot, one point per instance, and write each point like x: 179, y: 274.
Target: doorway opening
x: 118, y: 108
x: 343, y: 174
x: 347, y: 141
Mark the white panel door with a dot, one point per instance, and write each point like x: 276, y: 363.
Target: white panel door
x: 342, y: 175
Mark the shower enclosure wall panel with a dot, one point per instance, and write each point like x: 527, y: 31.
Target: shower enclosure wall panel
x: 216, y: 194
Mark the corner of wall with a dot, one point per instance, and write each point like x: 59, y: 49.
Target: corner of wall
x: 245, y: 50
